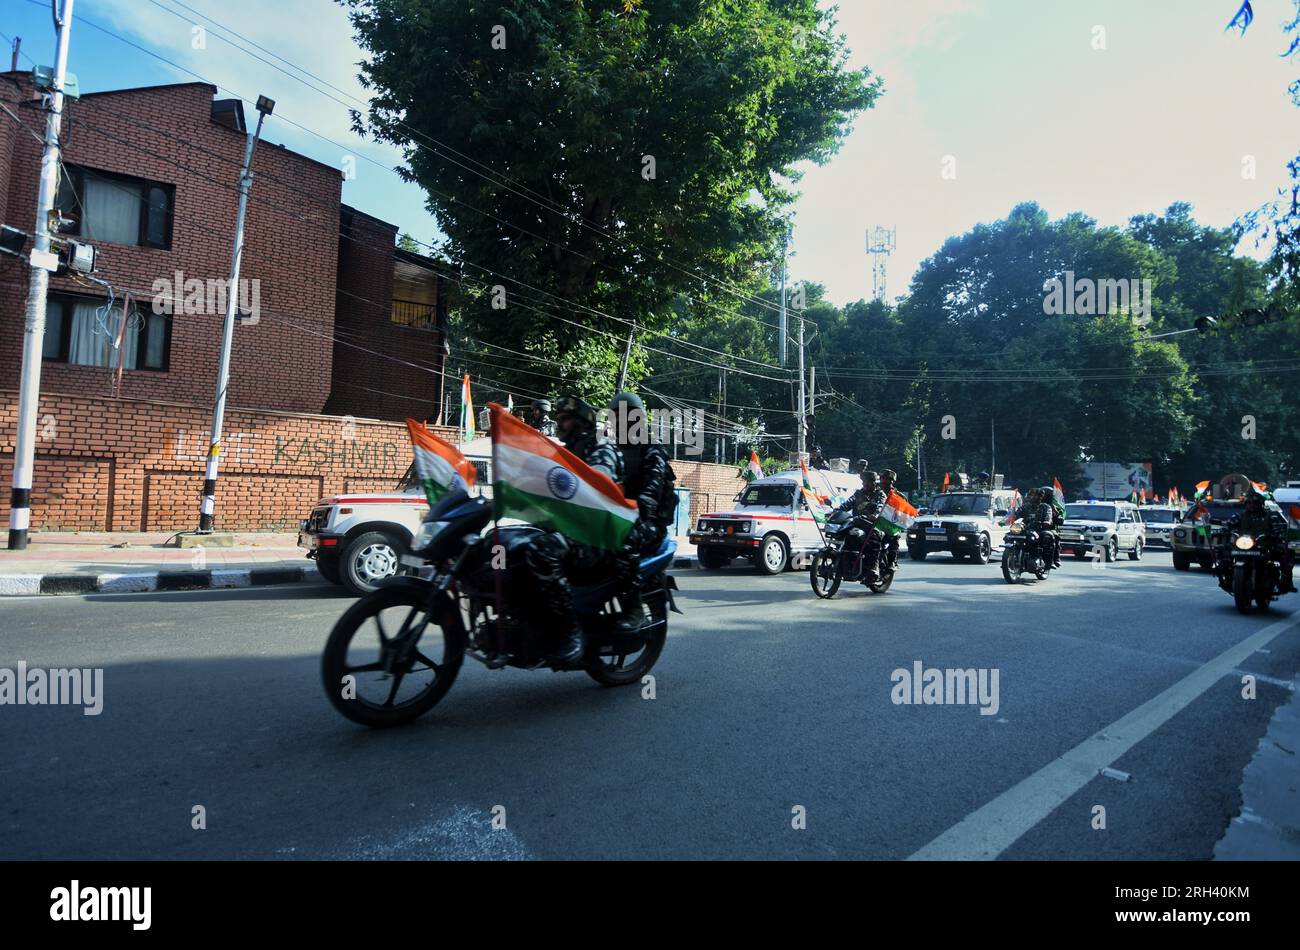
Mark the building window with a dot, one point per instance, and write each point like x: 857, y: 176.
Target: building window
x: 104, y: 206
x: 78, y: 330
x: 415, y: 314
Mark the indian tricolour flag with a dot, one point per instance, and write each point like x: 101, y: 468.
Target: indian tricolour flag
x: 1058, y: 496
x: 438, y: 464
x: 545, y: 484
x: 896, y: 515
x: 755, y: 469
x: 466, y: 412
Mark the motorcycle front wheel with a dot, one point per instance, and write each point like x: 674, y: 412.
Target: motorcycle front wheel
x: 388, y: 660
x: 1243, y: 586
x: 1012, y: 567
x: 824, y: 573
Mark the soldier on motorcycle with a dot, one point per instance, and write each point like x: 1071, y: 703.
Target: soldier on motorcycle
x: 650, y: 482
x: 1258, y: 520
x: 551, y: 557
x: 864, y: 504
x: 1053, y: 530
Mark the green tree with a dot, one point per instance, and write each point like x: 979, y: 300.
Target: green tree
x: 602, y: 157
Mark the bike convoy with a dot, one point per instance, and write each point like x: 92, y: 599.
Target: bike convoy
x: 1252, y: 552
x: 564, y: 566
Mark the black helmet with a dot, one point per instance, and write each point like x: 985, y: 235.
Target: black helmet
x: 627, y: 423
x: 631, y: 400
x: 542, y: 404
x: 576, y: 406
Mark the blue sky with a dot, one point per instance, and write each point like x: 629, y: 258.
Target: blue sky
x: 1013, y: 90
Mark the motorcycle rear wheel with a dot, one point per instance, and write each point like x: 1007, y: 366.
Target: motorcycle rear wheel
x: 614, y: 669
x: 397, y: 657
x: 824, y: 574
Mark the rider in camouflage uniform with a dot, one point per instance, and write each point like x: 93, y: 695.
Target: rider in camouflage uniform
x: 1257, y: 519
x: 553, y: 558
x: 649, y: 481
x: 539, y: 417
x: 865, y: 504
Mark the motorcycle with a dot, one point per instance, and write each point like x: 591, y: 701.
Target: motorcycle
x: 842, y: 558
x: 395, y: 653
x: 1023, y: 553
x: 1249, y: 568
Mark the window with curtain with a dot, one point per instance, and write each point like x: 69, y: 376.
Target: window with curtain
x: 120, y: 209
x: 79, y: 331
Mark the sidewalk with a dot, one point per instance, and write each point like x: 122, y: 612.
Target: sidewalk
x: 89, y: 562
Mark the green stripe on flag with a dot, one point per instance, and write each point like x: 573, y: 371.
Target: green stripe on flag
x: 578, y: 522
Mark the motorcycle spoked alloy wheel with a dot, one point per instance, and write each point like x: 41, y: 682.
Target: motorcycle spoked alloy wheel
x: 388, y: 661
x: 824, y: 573
x: 621, y: 669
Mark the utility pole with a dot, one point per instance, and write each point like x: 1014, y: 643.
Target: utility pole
x: 993, y: 447
x: 20, y: 510
x: 783, y: 323
x: 627, y: 356
x: 207, y: 506
x: 803, y: 395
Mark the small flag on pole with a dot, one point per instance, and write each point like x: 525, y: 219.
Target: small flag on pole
x: 895, y: 515
x: 438, y: 464
x: 468, y: 432
x: 754, y: 469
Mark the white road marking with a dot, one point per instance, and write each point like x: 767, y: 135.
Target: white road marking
x: 988, y: 831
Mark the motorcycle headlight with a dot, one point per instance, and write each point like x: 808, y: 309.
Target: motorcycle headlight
x: 1017, y: 528
x: 1245, y: 543
x: 427, y: 532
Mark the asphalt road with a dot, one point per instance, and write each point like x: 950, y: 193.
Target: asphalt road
x: 766, y: 701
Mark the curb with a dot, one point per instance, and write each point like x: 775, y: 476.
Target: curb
x: 22, y: 585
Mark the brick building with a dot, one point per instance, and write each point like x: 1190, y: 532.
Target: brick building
x: 334, y: 319
x: 150, y: 180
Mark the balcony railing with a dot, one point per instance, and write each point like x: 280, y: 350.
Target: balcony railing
x: 415, y: 314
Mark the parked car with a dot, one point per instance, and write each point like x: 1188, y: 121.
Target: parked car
x: 970, y: 525
x: 771, y: 524
x: 1106, y: 526
x: 358, y: 538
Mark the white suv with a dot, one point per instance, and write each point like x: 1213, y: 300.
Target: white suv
x: 967, y: 524
x: 358, y: 538
x: 1105, y: 526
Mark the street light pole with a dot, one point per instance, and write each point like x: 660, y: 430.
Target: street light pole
x: 208, y: 505
x: 29, y: 390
